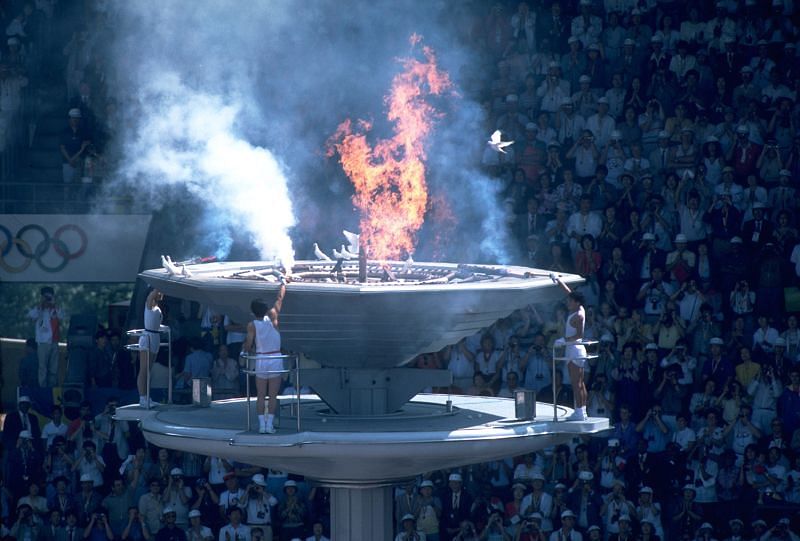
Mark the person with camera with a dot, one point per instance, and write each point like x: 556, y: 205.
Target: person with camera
x: 539, y: 501
x: 529, y: 528
x: 655, y: 433
x: 494, y: 529
x: 151, y: 505
x: 177, y: 496
x: 614, y: 506
x: 27, y: 525
x: 136, y: 527
x: 409, y: 530
x: 206, y: 502
x: 292, y: 511
x: 260, y: 506
x: 112, y: 434
x: 583, y: 497
x: 48, y: 317
x: 90, y: 464
x: 466, y: 531
x: 98, y: 528
x: 567, y: 532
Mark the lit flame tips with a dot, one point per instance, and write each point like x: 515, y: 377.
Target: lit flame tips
x: 389, y: 178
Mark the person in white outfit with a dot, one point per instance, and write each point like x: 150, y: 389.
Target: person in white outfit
x: 264, y: 342
x: 149, y: 343
x: 575, y: 353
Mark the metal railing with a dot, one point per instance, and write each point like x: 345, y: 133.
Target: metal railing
x: 138, y: 333
x: 252, y: 372
x: 588, y: 356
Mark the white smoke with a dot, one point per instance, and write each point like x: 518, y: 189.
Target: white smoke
x: 190, y: 138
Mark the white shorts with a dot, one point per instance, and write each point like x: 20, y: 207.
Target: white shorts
x: 266, y: 367
x: 575, y: 355
x: 150, y: 341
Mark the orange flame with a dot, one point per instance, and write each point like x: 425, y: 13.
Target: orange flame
x: 389, y: 178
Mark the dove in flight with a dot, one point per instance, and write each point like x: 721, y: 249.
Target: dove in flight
x: 319, y: 254
x: 497, y: 144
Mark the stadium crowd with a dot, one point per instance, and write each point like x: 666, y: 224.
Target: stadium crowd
x: 656, y: 153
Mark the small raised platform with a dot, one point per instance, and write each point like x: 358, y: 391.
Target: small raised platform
x: 362, y: 450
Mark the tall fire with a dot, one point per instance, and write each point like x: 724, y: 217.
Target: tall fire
x: 389, y: 177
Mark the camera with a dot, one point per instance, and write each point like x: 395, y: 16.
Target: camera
x: 200, y: 483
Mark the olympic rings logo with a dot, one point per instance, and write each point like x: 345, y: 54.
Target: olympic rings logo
x: 27, y: 235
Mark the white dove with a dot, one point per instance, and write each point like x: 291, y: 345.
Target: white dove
x: 408, y: 264
x: 497, y: 144
x: 348, y: 254
x: 185, y: 272
x: 169, y: 266
x: 352, y: 240
x: 338, y: 255
x: 319, y: 254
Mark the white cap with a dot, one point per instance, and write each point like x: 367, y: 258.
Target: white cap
x: 592, y: 528
x: 567, y: 513
x: 645, y: 490
x: 602, y: 99
x: 616, y: 134
x: 408, y: 516
x: 741, y: 128
x: 522, y: 486
x: 706, y: 526
x: 530, y: 126
x: 426, y: 483
x: 74, y: 113
x: 656, y: 39
x: 86, y: 478
x: 759, y: 205
x: 691, y: 487
x: 680, y: 238
x: 624, y: 517
x: 24, y: 398
x: 566, y: 101
x: 455, y: 477
x: 537, y: 476
x: 195, y: 513
x: 289, y: 483
x: 648, y: 236
x: 780, y: 342
x: 663, y: 135
x: 736, y: 240
x: 259, y: 480
x: 176, y: 471
x: 585, y: 476
x: 651, y: 347
x: 560, y: 486
x: 716, y: 341
x: 584, y: 79
x: 167, y: 510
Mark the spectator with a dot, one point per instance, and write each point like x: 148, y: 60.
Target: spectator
x: 48, y: 317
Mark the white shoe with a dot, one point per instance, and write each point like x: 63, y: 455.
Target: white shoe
x: 267, y: 430
x: 577, y: 415
x: 143, y: 403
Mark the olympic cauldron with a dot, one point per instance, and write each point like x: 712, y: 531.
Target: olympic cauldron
x: 367, y: 424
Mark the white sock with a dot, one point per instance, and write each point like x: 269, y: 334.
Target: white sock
x: 270, y: 419
x: 261, y: 420
x: 583, y: 409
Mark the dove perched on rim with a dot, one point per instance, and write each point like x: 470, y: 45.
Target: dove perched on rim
x: 319, y: 254
x: 497, y: 143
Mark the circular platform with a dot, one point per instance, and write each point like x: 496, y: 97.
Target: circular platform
x: 362, y: 450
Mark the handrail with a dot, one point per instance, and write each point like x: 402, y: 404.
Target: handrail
x: 249, y: 373
x: 581, y: 342
x: 135, y: 347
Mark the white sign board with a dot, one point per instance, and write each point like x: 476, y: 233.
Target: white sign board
x: 71, y: 248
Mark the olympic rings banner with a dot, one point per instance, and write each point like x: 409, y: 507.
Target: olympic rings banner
x: 71, y: 248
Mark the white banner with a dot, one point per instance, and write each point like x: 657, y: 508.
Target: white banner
x: 71, y: 248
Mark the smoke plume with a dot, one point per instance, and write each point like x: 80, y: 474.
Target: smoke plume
x: 234, y: 101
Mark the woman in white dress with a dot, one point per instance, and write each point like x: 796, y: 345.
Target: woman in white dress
x: 264, y: 342
x: 574, y: 352
x: 149, y: 344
